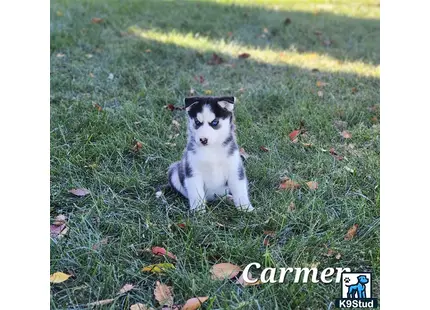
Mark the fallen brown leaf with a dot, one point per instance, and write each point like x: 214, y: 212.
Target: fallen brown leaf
x: 200, y: 79
x: 156, y: 250
x: 137, y: 146
x: 329, y: 253
x: 312, y: 185
x: 264, y: 149
x: 163, y: 294
x: 96, y: 20
x: 126, y: 288
x: 216, y: 60
x: 351, y: 232
x: 98, y: 107
x: 291, y: 207
x: 294, y: 134
x: 346, y: 134
x: 140, y: 306
x: 354, y: 90
x: 374, y: 120
x: 58, y: 231
x: 224, y: 271
x: 288, y: 184
x: 59, y: 220
x: 269, y: 233
x: 194, y: 303
x: 79, y: 192
x: 321, y: 84
x: 244, y: 55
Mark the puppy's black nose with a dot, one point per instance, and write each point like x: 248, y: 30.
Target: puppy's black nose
x: 204, y: 141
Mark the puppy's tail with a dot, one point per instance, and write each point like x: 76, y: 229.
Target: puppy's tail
x: 176, y: 176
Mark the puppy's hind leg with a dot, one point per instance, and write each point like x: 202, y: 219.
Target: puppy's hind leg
x: 176, y: 178
x: 238, y: 185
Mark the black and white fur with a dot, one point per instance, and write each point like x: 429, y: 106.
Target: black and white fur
x: 211, y: 165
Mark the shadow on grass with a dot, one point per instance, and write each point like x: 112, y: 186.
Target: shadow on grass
x: 342, y: 37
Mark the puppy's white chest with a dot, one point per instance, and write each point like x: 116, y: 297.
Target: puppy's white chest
x: 213, y: 167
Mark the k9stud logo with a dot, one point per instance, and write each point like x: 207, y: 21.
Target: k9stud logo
x: 356, y: 291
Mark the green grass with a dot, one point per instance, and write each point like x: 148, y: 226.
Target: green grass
x: 154, y: 49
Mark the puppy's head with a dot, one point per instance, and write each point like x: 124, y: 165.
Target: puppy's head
x: 209, y: 119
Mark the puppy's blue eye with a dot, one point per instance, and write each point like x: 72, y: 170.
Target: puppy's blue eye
x: 214, y: 123
x: 197, y: 122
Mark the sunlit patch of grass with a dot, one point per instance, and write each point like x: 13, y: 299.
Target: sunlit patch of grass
x: 305, y: 60
x: 362, y: 9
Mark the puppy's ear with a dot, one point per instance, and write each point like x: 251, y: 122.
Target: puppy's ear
x: 227, y: 103
x: 190, y: 101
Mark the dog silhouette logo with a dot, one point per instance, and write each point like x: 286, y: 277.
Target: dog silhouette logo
x: 356, y: 291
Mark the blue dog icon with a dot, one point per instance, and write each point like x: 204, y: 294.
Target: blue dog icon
x: 358, y: 290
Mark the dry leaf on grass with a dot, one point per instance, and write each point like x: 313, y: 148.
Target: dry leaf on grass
x: 158, y: 268
x: 346, y: 134
x: 126, y: 288
x: 140, y: 306
x: 216, y: 60
x: 58, y: 230
x: 312, y: 185
x: 224, y: 271
x: 288, y: 184
x: 242, y: 281
x: 291, y: 207
x: 351, y: 232
x: 59, y: 277
x: 137, y: 146
x: 98, y: 106
x: 244, y: 55
x: 208, y: 92
x: 293, y: 135
x: 321, y: 84
x: 163, y: 294
x: 60, y: 220
x: 156, y: 250
x: 194, y: 303
x: 264, y: 149
x: 96, y: 20
x: 80, y: 192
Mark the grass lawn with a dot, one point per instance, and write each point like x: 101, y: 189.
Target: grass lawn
x: 147, y: 54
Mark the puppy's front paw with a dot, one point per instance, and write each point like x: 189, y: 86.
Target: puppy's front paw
x: 246, y: 208
x: 199, y: 207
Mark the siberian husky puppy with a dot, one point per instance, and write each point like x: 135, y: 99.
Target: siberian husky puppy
x: 211, y: 165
